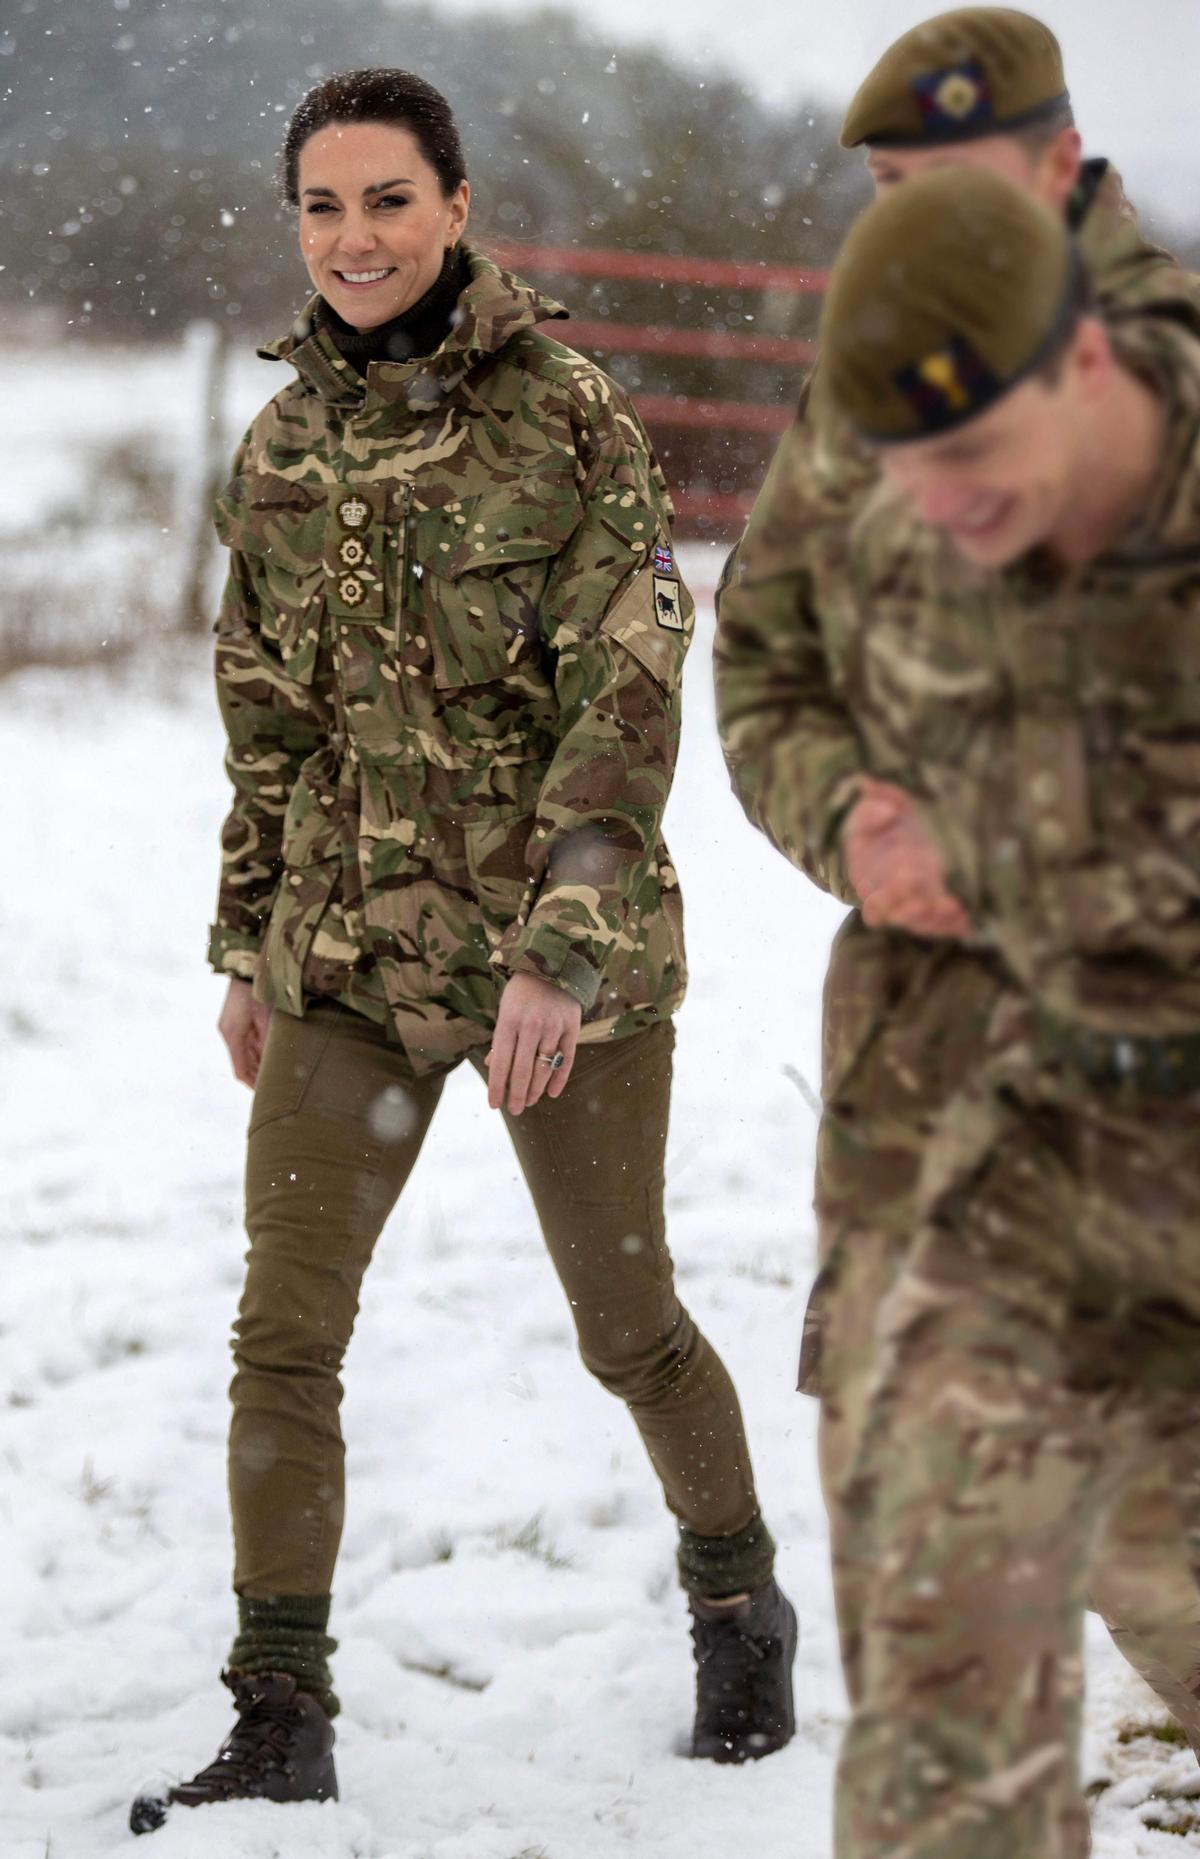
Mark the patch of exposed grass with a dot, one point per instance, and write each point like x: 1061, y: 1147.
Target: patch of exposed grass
x: 91, y: 1488
x: 531, y: 1540
x: 1134, y: 1731
x: 447, y: 1673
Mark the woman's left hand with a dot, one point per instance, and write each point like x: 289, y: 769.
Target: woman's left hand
x: 535, y: 1021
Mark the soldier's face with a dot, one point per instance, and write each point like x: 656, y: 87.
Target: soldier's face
x: 888, y: 167
x: 1051, y: 173
x: 374, y: 222
x: 995, y: 487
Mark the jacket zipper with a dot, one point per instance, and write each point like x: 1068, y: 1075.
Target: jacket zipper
x: 400, y: 583
x: 402, y: 567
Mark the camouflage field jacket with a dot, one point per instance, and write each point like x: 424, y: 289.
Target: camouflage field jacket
x: 1048, y: 723
x: 793, y: 750
x: 448, y: 662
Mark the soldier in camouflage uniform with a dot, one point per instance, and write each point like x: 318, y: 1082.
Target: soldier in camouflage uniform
x: 448, y: 659
x: 905, y: 1016
x: 1016, y: 659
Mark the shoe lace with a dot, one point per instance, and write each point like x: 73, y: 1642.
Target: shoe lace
x: 731, y: 1663
x: 260, y: 1741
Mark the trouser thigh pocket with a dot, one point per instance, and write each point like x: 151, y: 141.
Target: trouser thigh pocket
x: 294, y: 1049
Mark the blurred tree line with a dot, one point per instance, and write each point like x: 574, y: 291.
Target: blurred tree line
x: 139, y: 137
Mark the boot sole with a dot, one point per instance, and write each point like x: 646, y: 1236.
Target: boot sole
x: 149, y: 1812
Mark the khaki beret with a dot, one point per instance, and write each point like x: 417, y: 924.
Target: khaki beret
x: 947, y: 292
x: 982, y: 70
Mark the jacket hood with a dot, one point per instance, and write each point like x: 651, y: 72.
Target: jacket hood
x: 1133, y: 275
x: 1152, y: 306
x: 1166, y: 529
x: 494, y: 307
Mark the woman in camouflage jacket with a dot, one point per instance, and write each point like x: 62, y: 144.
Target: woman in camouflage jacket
x: 448, y: 660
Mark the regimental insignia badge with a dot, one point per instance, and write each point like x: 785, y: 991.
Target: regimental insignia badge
x: 954, y: 98
x: 352, y: 551
x: 351, y: 590
x: 666, y: 603
x: 664, y: 561
x: 353, y: 512
x: 948, y: 385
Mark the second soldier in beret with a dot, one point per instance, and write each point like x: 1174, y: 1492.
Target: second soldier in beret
x: 965, y: 76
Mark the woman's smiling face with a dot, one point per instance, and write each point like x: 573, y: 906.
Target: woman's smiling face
x: 374, y: 222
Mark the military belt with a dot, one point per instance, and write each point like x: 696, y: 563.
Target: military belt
x: 1140, y: 1064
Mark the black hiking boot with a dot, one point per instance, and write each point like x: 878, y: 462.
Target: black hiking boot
x: 280, y: 1749
x: 744, y: 1654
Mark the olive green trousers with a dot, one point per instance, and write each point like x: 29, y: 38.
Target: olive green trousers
x: 337, y: 1124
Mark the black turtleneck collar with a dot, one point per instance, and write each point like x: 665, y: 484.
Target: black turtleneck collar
x: 417, y: 331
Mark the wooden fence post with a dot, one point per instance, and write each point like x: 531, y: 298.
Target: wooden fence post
x: 201, y: 470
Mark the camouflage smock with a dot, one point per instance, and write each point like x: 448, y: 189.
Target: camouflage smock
x: 1047, y: 720
x: 1042, y: 719
x: 448, y: 662
x: 793, y: 750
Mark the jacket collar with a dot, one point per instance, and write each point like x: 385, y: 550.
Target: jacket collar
x: 1166, y: 525
x: 494, y: 307
x: 1126, y: 266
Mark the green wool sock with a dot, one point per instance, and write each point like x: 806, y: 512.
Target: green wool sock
x: 710, y: 1566
x: 287, y: 1633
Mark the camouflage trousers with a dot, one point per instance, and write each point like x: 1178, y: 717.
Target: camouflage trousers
x: 906, y: 1026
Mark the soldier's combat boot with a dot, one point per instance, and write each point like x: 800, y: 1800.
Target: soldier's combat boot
x: 744, y: 1653
x: 280, y: 1749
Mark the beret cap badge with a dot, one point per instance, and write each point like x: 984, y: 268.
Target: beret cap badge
x: 952, y: 97
x: 948, y: 384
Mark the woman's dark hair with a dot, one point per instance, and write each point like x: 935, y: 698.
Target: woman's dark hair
x: 376, y: 96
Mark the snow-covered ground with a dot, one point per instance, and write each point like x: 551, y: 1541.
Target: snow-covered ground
x: 514, y: 1666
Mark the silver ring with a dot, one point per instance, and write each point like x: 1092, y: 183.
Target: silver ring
x: 555, y: 1060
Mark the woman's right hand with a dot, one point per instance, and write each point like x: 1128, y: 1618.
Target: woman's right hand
x: 243, y: 1026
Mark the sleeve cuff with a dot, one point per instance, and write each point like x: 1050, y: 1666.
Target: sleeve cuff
x: 545, y: 951
x: 233, y: 955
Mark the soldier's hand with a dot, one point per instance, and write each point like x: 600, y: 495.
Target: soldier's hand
x: 896, y: 868
x: 535, y: 1018
x: 919, y: 910
x: 243, y: 1026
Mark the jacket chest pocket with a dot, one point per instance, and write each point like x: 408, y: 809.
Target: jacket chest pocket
x: 277, y: 526
x: 478, y: 571
x: 1142, y: 678
x: 927, y: 671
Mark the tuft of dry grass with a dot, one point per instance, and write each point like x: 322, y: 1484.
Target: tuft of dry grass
x: 94, y: 579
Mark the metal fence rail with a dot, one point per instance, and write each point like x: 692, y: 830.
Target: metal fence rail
x: 669, y: 416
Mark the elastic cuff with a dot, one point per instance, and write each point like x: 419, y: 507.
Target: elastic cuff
x: 231, y: 954
x: 287, y: 1633
x: 712, y: 1566
x: 547, y: 952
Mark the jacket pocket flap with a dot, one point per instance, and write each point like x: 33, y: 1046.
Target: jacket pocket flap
x: 522, y: 522
x: 261, y: 514
x: 279, y: 527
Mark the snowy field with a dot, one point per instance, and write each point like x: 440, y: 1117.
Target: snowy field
x: 514, y: 1668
